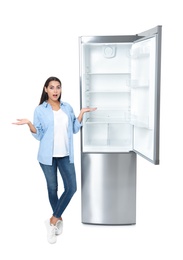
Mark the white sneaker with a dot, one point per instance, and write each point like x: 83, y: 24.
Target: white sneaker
x: 51, y: 232
x: 59, y: 226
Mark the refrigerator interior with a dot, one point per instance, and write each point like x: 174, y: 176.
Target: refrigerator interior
x: 118, y: 79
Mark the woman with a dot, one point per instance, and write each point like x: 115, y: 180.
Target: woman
x: 54, y: 124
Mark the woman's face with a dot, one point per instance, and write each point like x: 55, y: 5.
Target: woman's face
x: 53, y: 90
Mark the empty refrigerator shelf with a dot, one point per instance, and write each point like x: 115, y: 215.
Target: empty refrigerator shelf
x: 107, y: 73
x: 106, y: 148
x: 111, y: 90
x: 106, y: 120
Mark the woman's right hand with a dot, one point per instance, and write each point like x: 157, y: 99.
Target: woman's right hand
x: 21, y: 122
x: 26, y: 122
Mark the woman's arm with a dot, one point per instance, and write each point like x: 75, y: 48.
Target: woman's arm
x: 84, y: 110
x: 24, y: 122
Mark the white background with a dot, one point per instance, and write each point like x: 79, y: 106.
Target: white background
x: 38, y: 39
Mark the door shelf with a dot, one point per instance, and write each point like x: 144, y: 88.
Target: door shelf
x: 140, y: 51
x: 141, y: 121
x: 140, y: 83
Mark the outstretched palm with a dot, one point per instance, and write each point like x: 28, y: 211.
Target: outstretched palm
x: 21, y: 122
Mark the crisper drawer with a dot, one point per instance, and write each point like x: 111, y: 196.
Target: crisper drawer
x: 107, y: 137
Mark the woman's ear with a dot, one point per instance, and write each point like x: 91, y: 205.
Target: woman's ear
x: 45, y: 89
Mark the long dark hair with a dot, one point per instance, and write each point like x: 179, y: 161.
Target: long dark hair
x: 44, y: 95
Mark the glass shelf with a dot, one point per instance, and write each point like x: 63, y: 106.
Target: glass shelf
x: 106, y: 148
x: 106, y: 121
x: 113, y: 115
x: 122, y: 90
x: 106, y: 73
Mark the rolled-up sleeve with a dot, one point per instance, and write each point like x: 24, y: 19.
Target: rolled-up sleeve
x: 76, y: 125
x: 37, y: 124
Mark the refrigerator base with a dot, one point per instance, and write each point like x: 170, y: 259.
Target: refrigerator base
x: 108, y: 188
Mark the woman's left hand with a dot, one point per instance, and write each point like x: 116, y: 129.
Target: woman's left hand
x: 85, y: 110
x: 88, y: 109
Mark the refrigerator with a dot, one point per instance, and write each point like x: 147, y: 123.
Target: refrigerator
x: 120, y: 75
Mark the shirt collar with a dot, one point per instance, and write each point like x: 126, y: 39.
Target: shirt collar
x: 45, y: 104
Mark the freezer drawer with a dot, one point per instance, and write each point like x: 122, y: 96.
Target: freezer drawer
x: 109, y: 188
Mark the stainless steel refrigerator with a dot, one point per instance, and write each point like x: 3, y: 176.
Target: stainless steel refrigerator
x: 120, y: 75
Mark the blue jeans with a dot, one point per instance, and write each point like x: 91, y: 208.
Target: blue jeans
x: 67, y: 171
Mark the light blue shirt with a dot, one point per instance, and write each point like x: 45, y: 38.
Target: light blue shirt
x: 44, y: 124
